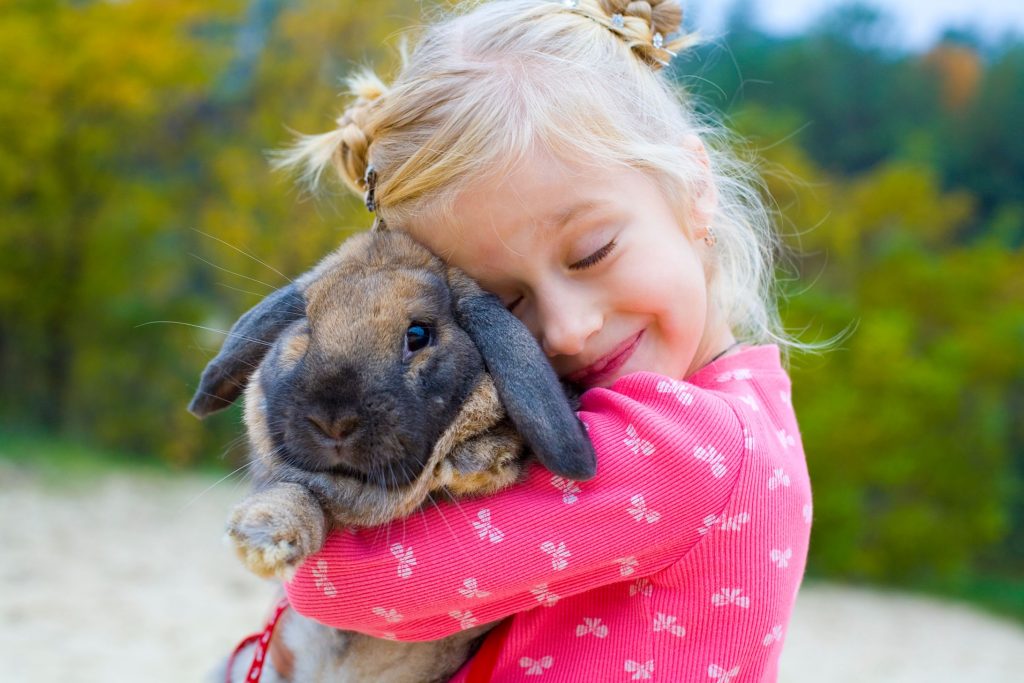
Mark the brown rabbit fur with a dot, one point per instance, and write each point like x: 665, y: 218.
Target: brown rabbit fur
x: 378, y: 379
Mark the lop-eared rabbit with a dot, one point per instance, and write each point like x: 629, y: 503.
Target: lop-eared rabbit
x: 376, y: 380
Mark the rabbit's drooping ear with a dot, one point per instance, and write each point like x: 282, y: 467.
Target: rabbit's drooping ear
x: 248, y: 341
x: 526, y: 383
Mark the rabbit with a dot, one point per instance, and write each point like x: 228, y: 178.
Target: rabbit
x: 380, y: 377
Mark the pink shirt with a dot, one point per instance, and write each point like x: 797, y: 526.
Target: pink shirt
x: 679, y: 561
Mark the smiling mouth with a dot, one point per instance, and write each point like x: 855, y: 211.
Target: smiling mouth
x: 607, y: 365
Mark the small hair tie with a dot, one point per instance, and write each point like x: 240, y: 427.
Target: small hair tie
x: 370, y: 182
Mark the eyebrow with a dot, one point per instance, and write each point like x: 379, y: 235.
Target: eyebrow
x: 561, y: 218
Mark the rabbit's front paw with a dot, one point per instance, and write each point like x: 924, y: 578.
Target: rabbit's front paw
x: 272, y: 538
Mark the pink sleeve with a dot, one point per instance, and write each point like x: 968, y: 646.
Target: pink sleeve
x: 669, y: 454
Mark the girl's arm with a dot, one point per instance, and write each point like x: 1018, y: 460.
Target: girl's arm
x: 669, y: 454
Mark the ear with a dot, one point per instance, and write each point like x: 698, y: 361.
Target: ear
x: 526, y: 383
x: 247, y: 343
x: 704, y: 202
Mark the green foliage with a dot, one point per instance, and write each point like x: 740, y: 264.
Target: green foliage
x: 910, y: 433
x: 133, y: 174
x: 136, y: 190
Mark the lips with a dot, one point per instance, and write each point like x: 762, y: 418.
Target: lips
x: 605, y: 366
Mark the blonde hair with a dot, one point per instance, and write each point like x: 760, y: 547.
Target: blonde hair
x: 581, y: 80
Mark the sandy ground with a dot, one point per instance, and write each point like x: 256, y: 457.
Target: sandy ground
x: 125, y: 578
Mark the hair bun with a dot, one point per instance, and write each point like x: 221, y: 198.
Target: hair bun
x: 644, y: 25
x: 356, y: 130
x: 661, y: 16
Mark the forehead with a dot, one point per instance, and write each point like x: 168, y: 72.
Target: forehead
x: 517, y: 211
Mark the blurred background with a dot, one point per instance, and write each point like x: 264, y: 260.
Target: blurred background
x: 136, y: 206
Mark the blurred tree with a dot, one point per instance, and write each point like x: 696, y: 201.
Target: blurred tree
x: 857, y: 100
x: 982, y: 150
x: 959, y: 70
x: 912, y: 442
x: 117, y: 160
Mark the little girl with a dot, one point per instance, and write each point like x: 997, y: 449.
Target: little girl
x: 534, y: 144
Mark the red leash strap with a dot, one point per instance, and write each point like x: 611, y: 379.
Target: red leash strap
x: 256, y: 668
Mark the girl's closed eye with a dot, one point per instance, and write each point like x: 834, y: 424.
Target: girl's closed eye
x: 594, y: 258
x: 582, y: 264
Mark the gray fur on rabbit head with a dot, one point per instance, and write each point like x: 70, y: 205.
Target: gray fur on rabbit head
x: 383, y: 374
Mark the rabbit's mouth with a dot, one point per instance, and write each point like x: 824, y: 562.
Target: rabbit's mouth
x: 347, y: 472
x: 387, y: 473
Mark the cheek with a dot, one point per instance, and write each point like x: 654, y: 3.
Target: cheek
x: 663, y: 285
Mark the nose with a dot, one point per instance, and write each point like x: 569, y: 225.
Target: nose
x: 567, y: 321
x: 334, y: 427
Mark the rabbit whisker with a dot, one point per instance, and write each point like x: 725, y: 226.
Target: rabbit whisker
x: 243, y: 253
x: 231, y: 272
x: 452, y: 500
x: 238, y: 289
x: 423, y: 514
x: 213, y: 485
x: 226, y: 333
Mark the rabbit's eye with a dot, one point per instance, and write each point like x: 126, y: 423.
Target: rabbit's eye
x: 418, y: 336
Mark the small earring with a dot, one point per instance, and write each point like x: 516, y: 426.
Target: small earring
x: 709, y: 237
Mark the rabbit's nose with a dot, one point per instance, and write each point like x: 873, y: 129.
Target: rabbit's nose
x: 337, y: 427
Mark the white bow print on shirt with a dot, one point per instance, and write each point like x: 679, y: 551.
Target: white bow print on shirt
x: 640, y: 671
x: 320, y: 579
x: 465, y: 619
x: 640, y: 511
x: 723, y: 676
x: 568, y: 487
x: 487, y: 530
x: 593, y: 626
x: 667, y: 622
x: 730, y: 596
x: 389, y: 615
x: 677, y: 389
x: 558, y: 554
x: 709, y: 522
x: 779, y: 478
x: 740, y: 374
x: 627, y: 565
x: 544, y: 596
x: 736, y: 522
x: 713, y: 458
x: 536, y: 667
x: 470, y: 589
x: 636, y: 444
x: 405, y: 560
x: 748, y: 440
x: 773, y: 636
x: 785, y: 438
x: 782, y: 557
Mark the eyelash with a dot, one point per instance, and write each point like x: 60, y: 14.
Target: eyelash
x: 594, y: 258
x: 582, y: 264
